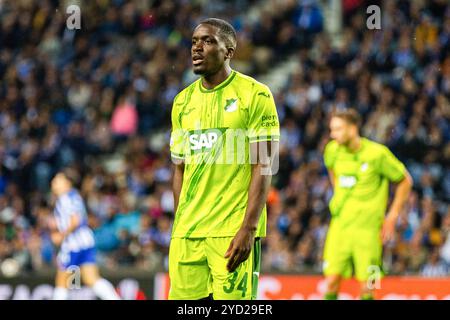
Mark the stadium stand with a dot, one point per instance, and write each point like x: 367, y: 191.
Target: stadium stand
x: 99, y: 99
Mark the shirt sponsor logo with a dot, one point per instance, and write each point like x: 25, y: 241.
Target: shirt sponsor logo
x: 231, y: 105
x: 269, y: 121
x: 364, y: 167
x: 347, y: 181
x: 204, y: 139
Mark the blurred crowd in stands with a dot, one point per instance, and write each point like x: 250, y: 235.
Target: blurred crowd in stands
x: 99, y: 99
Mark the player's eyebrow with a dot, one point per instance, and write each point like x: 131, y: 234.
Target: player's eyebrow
x: 204, y: 37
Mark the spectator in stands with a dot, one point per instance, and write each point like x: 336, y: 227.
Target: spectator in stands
x: 99, y: 99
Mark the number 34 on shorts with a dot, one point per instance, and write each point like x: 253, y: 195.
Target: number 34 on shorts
x: 197, y: 268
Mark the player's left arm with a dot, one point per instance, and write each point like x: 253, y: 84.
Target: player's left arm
x: 402, y: 191
x: 397, y: 173
x: 263, y: 136
x: 261, y: 177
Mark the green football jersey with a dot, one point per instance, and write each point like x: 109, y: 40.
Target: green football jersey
x: 361, y: 186
x: 211, y: 132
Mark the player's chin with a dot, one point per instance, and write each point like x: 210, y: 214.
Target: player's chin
x: 199, y: 69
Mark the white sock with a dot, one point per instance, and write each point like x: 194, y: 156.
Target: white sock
x: 60, y: 293
x: 105, y: 290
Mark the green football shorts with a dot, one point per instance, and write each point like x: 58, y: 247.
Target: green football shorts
x: 197, y: 268
x: 353, y: 251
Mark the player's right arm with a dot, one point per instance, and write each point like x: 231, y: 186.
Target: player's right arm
x: 177, y: 153
x: 329, y: 155
x: 55, y: 235
x: 331, y: 175
x: 177, y: 183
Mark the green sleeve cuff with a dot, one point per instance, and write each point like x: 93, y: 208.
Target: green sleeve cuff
x: 264, y: 138
x: 177, y: 155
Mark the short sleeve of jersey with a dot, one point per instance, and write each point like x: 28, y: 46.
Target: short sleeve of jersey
x: 263, y: 122
x: 391, y: 167
x: 177, y: 134
x: 329, y: 154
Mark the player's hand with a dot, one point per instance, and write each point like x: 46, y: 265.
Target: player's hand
x: 388, y: 230
x: 52, y: 224
x: 240, y: 248
x: 57, y: 238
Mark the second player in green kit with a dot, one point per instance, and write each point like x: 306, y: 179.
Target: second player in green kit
x: 360, y: 171
x: 218, y: 122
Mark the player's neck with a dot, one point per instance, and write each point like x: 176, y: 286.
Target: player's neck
x: 355, y: 144
x: 213, y: 80
x: 64, y: 191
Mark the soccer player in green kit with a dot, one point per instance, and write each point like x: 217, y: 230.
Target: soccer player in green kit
x: 360, y: 171
x: 220, y: 195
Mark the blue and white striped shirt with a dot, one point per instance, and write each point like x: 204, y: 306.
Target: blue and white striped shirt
x: 82, y: 237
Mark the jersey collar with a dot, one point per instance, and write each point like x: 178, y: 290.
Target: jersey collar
x: 219, y: 86
x: 363, y: 143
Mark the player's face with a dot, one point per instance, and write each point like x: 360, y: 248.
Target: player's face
x: 58, y: 183
x: 208, y: 50
x: 341, y: 130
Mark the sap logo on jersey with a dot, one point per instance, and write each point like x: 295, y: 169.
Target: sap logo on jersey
x: 347, y: 181
x: 204, y: 139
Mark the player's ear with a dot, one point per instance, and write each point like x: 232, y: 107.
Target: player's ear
x: 230, y: 53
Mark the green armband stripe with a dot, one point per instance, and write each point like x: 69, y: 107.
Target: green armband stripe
x: 177, y: 155
x: 265, y: 138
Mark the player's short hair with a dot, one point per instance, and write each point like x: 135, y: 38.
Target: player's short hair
x: 71, y: 175
x: 348, y: 115
x: 226, y: 31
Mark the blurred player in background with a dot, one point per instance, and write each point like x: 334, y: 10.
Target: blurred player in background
x: 360, y: 171
x: 75, y: 239
x: 220, y: 208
